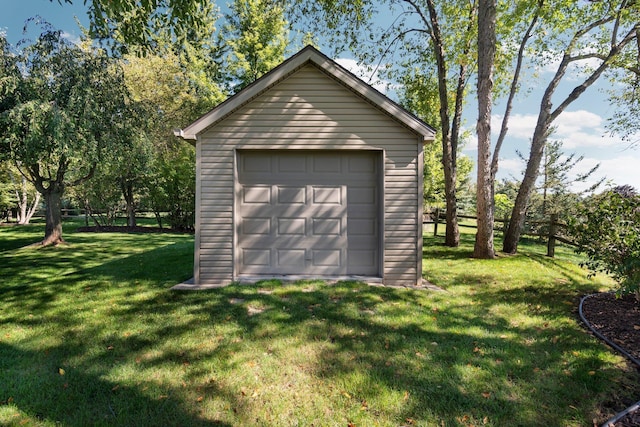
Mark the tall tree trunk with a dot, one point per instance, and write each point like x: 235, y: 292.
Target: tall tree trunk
x: 22, y: 202
x: 449, y: 150
x: 127, y: 192
x: 53, y: 216
x: 519, y: 212
x: 26, y: 212
x: 452, y: 235
x: 484, y: 188
x: 547, y: 116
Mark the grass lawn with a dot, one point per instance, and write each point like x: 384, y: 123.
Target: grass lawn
x: 92, y: 335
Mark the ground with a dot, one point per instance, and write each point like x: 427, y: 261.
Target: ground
x: 617, y: 319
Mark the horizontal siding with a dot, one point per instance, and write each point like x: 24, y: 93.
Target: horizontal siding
x: 308, y: 110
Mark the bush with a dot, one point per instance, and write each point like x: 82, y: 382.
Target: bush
x: 607, y: 230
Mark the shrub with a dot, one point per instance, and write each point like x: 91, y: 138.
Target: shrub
x: 607, y: 230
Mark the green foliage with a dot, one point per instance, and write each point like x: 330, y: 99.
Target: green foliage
x: 555, y: 192
x: 434, y: 195
x: 179, y: 90
x: 126, y: 23
x: 625, y: 94
x: 101, y: 197
x: 508, y: 189
x: 7, y: 190
x: 256, y: 35
x: 171, y: 188
x: 65, y: 108
x: 503, y: 205
x: 556, y: 185
x: 419, y: 94
x: 607, y: 231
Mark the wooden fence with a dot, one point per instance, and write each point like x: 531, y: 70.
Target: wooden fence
x: 550, y: 229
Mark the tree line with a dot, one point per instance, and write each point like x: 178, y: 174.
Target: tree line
x: 91, y: 124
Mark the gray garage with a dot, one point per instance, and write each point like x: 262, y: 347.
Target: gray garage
x: 309, y: 172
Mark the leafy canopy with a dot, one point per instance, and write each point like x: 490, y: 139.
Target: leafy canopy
x: 137, y: 22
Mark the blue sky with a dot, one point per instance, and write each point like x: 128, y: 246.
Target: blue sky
x: 581, y: 127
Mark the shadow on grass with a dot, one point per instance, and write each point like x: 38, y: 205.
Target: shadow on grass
x: 45, y: 388
x: 105, y: 313
x: 13, y: 236
x: 41, y: 275
x: 444, y: 372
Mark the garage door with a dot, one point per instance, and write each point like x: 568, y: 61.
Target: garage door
x: 308, y: 213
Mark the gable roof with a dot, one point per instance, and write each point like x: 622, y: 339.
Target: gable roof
x: 307, y: 55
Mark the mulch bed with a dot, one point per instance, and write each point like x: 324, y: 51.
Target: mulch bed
x: 617, y: 319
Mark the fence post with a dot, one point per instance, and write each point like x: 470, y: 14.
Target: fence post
x: 553, y: 228
x: 436, y: 218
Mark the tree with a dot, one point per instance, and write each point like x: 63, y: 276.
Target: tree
x: 101, y: 196
x: 256, y: 35
x: 180, y: 87
x: 593, y: 38
x: 67, y: 107
x: 419, y: 94
x: 557, y: 183
x: 485, y: 193
x: 607, y: 230
x: 126, y: 23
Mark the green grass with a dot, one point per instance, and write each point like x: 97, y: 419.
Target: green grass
x: 92, y: 335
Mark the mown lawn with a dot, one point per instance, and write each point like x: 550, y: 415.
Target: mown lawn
x: 91, y: 335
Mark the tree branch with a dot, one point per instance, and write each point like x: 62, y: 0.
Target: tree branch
x: 512, y: 91
x: 87, y: 177
x: 593, y: 77
x: 427, y: 22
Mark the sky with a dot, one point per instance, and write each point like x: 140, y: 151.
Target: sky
x: 581, y: 127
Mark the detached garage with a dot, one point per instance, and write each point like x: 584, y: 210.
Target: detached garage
x: 308, y: 173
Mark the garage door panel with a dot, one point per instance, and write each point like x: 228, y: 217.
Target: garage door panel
x: 292, y: 226
x: 362, y: 261
x: 291, y: 258
x: 254, y: 163
x: 308, y: 213
x: 252, y: 194
x: 256, y: 257
x: 361, y: 164
x: 327, y: 163
x: 326, y: 195
x: 327, y: 227
x: 362, y: 227
x: 291, y: 195
x: 256, y: 226
x: 327, y: 257
x: 292, y: 163
x: 362, y: 195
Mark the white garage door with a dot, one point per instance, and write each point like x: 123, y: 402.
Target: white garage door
x: 308, y: 213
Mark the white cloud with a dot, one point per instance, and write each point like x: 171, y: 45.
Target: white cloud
x: 511, y: 168
x: 520, y: 125
x: 575, y: 129
x: 71, y: 37
x: 619, y: 170
x: 366, y: 73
